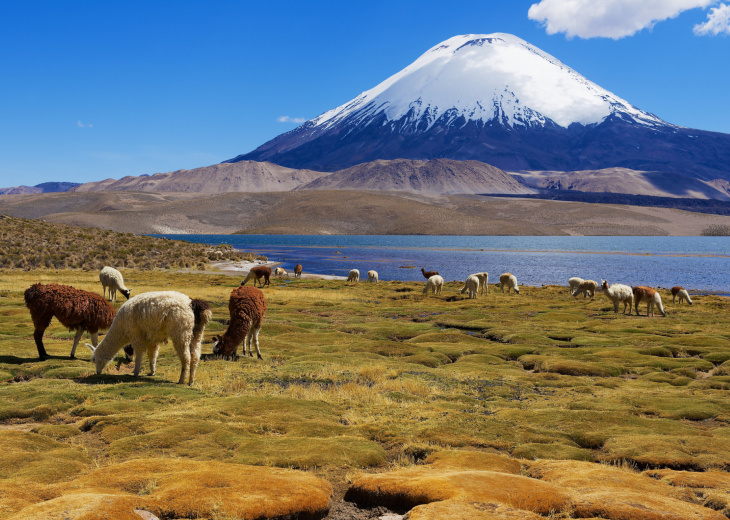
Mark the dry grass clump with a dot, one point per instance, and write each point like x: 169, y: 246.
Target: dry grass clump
x: 35, y: 244
x: 171, y: 488
x: 412, y: 487
x: 35, y: 458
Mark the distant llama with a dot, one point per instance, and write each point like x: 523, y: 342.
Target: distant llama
x: 259, y: 274
x: 111, y: 278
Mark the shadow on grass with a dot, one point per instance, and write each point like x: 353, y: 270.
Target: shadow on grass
x: 109, y: 379
x: 14, y: 360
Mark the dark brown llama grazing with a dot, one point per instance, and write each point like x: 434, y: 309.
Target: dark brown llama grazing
x: 298, y: 271
x: 258, y: 273
x: 247, y: 307
x: 76, y: 309
x: 428, y: 274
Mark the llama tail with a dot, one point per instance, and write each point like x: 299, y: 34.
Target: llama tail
x: 203, y: 314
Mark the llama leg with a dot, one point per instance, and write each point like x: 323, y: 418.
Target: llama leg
x: 152, y: 356
x: 94, y: 338
x: 256, y: 341
x: 41, y: 323
x: 247, y: 343
x: 195, y: 349
x: 139, y: 351
x: 77, y: 337
x: 183, y: 352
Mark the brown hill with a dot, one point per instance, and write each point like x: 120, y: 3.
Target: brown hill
x: 624, y: 180
x: 350, y: 212
x: 434, y: 177
x: 247, y: 176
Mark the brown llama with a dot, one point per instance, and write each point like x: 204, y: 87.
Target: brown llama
x: 259, y: 274
x: 682, y: 293
x: 428, y: 274
x: 76, y: 309
x: 247, y: 307
x: 650, y: 296
x: 298, y: 271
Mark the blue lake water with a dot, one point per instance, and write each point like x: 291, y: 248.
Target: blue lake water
x: 697, y: 263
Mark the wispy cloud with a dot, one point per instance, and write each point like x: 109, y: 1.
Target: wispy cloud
x: 287, y: 119
x: 84, y: 125
x: 610, y: 18
x: 718, y: 22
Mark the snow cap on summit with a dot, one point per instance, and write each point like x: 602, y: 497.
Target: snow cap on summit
x: 486, y: 77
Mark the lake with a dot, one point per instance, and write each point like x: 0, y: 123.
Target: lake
x: 697, y: 263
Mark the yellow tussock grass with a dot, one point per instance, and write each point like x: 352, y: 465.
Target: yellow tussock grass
x: 176, y: 488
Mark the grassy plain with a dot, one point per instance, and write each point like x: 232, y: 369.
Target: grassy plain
x: 535, y: 405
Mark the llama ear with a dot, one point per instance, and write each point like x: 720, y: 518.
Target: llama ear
x: 92, y: 349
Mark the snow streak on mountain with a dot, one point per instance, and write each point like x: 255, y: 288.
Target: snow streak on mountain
x: 497, y: 99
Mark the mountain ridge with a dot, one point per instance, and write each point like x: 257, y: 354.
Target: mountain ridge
x: 433, y: 177
x: 249, y: 176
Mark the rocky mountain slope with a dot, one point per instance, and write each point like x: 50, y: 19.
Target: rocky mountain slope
x: 436, y: 177
x: 623, y: 180
x: 45, y: 187
x: 248, y: 176
x: 349, y: 212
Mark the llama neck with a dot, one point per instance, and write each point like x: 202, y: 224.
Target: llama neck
x: 113, y: 341
x: 234, y: 336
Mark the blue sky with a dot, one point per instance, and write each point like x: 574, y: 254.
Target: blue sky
x: 97, y: 89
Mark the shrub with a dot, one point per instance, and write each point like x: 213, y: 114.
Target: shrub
x: 716, y: 230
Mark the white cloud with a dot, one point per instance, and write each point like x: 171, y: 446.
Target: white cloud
x: 82, y: 125
x: 718, y: 22
x: 287, y: 119
x: 608, y: 18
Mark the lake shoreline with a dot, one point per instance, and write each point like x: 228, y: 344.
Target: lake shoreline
x: 697, y: 263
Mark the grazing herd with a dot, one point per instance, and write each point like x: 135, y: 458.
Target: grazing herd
x: 145, y: 321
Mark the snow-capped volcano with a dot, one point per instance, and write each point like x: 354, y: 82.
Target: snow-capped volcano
x: 497, y: 99
x: 481, y: 78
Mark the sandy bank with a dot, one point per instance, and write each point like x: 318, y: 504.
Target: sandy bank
x: 242, y: 269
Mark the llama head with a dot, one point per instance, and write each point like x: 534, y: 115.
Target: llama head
x: 97, y: 356
x: 126, y: 293
x: 217, y: 347
x: 604, y: 284
x: 94, y: 358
